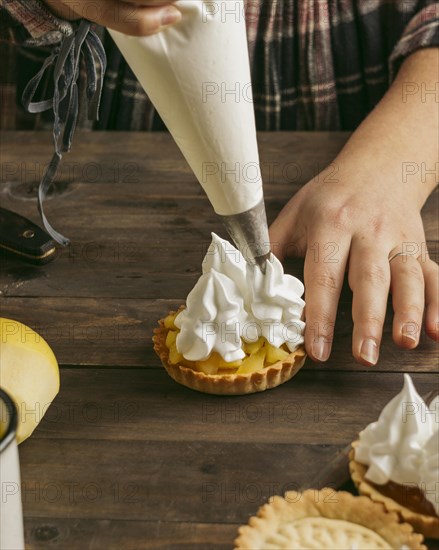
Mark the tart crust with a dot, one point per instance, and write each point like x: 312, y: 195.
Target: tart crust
x: 227, y: 384
x: 425, y: 524
x: 325, y: 519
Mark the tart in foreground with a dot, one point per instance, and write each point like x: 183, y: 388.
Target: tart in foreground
x: 326, y: 519
x: 395, y: 460
x: 241, y: 330
x: 408, y: 501
x: 263, y: 367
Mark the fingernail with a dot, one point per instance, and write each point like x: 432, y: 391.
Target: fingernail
x: 170, y: 16
x: 409, y: 332
x: 321, y: 349
x: 369, y: 351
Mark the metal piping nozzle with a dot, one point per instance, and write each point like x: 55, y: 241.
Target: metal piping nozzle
x: 249, y: 231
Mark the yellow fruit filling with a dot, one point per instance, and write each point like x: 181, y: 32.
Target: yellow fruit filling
x: 258, y: 355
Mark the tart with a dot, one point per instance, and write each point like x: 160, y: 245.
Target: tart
x: 406, y: 500
x: 326, y: 519
x: 263, y: 367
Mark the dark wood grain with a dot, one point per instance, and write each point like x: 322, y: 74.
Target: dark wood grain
x: 129, y: 268
x: 136, y: 405
x: 77, y: 534
x: 158, y: 454
x: 125, y: 457
x: 137, y: 213
x: 199, y: 481
x: 118, y: 332
x: 286, y: 159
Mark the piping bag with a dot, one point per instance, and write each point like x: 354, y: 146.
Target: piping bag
x: 197, y: 75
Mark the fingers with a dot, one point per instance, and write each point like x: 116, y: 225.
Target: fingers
x: 135, y: 18
x: 325, y: 264
x: 431, y: 278
x: 369, y: 279
x: 407, y: 299
x: 148, y: 2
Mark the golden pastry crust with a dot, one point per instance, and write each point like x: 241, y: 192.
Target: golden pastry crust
x: 227, y: 384
x: 325, y: 519
x: 422, y: 523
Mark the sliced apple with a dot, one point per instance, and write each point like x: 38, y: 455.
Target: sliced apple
x: 274, y: 354
x: 174, y: 356
x: 232, y: 365
x: 253, y: 363
x: 252, y: 347
x: 171, y: 337
x: 169, y: 322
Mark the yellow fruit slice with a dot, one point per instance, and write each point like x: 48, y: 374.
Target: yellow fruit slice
x: 169, y: 322
x: 174, y: 356
x: 171, y: 337
x: 186, y: 363
x: 252, y: 347
x: 253, y: 363
x: 274, y: 354
x: 232, y: 365
x: 206, y: 367
x: 211, y: 364
x: 29, y: 373
x: 215, y: 364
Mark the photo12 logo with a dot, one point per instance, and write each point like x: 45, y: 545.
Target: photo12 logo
x: 227, y: 10
x: 227, y: 92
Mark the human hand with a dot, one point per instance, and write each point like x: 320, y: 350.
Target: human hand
x: 359, y: 220
x: 133, y: 17
x: 366, y: 216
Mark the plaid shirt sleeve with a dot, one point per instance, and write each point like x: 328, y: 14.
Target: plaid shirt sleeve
x: 316, y: 64
x: 422, y: 31
x: 31, y: 23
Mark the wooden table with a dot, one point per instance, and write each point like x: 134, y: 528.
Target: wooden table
x: 125, y: 458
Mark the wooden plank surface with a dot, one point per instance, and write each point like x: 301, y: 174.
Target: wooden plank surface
x: 74, y: 534
x: 130, y: 269
x: 141, y: 453
x: 77, y: 534
x: 117, y: 332
x: 178, y: 481
x: 131, y: 158
x: 324, y: 407
x: 125, y: 457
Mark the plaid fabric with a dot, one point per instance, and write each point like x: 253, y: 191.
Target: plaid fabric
x: 316, y: 64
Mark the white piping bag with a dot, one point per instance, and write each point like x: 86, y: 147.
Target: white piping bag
x: 197, y: 75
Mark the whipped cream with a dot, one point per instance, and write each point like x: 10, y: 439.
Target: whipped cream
x: 197, y: 75
x: 429, y: 470
x: 234, y: 302
x: 402, y: 445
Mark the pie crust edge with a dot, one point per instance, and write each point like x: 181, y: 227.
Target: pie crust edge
x: 227, y: 384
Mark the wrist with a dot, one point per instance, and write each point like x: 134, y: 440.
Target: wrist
x: 358, y: 176
x: 385, y: 167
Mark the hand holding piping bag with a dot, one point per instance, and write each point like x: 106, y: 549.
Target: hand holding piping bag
x: 178, y: 68
x: 135, y: 18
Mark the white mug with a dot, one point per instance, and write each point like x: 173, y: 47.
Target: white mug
x: 11, y: 514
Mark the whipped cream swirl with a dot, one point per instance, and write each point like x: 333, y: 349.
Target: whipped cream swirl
x: 429, y: 470
x: 234, y: 301
x: 402, y: 445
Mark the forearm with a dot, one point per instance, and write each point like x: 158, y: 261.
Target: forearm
x: 399, y: 139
